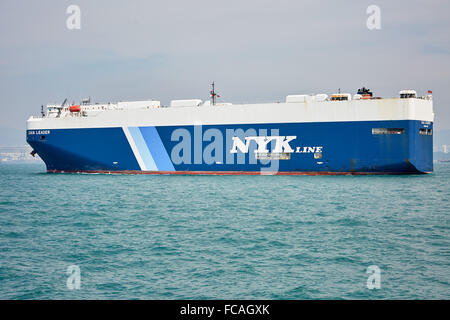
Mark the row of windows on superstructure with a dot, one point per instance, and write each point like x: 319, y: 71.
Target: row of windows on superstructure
x: 388, y: 131
x: 422, y: 131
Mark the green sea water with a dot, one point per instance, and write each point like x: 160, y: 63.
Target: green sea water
x: 223, y: 237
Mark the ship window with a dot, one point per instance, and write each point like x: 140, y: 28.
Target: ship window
x: 42, y: 137
x: 339, y: 98
x: 423, y: 131
x: 430, y: 132
x: 388, y: 131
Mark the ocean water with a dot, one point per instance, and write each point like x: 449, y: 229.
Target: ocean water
x: 223, y: 237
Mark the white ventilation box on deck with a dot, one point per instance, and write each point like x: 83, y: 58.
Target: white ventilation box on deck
x: 186, y: 103
x: 296, y: 98
x: 146, y: 104
x: 321, y: 97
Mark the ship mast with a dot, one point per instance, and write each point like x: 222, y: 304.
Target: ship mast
x: 213, y: 94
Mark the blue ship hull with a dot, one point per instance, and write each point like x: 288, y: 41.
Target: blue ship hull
x: 345, y: 148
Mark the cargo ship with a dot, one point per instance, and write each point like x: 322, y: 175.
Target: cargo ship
x: 306, y: 134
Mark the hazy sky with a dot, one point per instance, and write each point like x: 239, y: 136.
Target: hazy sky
x: 254, y: 50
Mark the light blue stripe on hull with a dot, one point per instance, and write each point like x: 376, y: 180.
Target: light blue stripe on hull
x: 143, y: 149
x: 157, y: 149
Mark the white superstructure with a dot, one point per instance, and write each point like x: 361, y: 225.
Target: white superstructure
x: 297, y: 108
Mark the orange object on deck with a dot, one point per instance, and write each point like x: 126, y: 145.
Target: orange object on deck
x: 74, y: 109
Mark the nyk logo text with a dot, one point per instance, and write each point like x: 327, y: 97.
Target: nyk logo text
x: 281, y: 145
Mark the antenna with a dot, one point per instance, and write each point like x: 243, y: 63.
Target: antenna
x: 213, y: 94
x: 86, y: 101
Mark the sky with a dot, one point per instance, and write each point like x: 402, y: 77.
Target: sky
x: 255, y: 51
